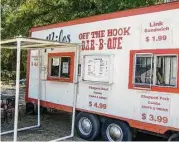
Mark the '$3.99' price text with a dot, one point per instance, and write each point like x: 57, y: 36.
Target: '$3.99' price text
x: 154, y: 118
x: 97, y: 105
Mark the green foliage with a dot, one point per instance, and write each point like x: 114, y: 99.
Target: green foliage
x: 18, y: 16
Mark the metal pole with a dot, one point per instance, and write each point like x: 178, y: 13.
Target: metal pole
x: 39, y: 91
x: 29, y: 127
x: 74, y: 99
x: 21, y: 129
x: 62, y: 138
x: 17, y: 89
x: 75, y: 91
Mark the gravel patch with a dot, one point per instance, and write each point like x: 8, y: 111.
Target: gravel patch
x: 53, y: 124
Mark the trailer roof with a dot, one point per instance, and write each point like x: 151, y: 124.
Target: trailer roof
x: 34, y: 43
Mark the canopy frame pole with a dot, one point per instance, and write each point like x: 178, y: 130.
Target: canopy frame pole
x: 17, y: 89
x: 18, y: 47
x: 74, y: 99
x: 39, y: 93
x: 17, y: 97
x: 20, y: 129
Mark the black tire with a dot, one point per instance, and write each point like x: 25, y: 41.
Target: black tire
x: 174, y: 137
x: 95, y: 123
x: 33, y: 109
x: 42, y: 109
x: 125, y: 128
x: 29, y: 108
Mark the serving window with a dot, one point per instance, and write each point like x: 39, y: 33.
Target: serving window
x: 61, y: 66
x: 143, y: 70
x: 166, y: 70
x: 157, y: 70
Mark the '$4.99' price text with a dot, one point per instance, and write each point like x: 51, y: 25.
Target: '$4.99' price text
x: 153, y: 118
x: 97, y: 105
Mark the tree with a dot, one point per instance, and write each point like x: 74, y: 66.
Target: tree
x: 18, y: 16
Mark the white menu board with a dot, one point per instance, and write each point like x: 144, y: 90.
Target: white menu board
x: 96, y: 68
x: 65, y: 67
x: 55, y: 62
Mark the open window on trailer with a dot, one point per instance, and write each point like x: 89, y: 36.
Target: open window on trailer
x: 128, y: 72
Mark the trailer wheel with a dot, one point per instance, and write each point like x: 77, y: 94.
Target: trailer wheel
x: 87, y: 126
x: 174, y: 137
x: 113, y: 130
x: 42, y: 109
x: 29, y: 108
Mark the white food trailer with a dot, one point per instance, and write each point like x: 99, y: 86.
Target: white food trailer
x: 128, y: 72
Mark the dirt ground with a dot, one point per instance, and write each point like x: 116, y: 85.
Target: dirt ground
x: 53, y: 124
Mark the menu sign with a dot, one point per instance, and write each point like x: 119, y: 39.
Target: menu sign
x: 156, y: 33
x: 96, y: 68
x: 65, y: 67
x: 56, y: 62
x: 155, y: 108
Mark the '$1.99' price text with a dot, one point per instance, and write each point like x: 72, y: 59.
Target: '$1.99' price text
x: 97, y: 105
x: 153, y: 118
x: 156, y: 38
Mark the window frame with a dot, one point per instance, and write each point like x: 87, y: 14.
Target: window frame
x: 142, y: 85
x: 155, y: 64
x: 58, y: 55
x: 110, y: 74
x: 155, y: 53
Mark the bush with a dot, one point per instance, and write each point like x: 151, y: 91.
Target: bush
x: 7, y: 75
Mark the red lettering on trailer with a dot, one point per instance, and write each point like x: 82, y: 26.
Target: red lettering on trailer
x: 88, y: 45
x: 84, y: 35
x: 153, y: 24
x: 101, y: 44
x: 119, y: 32
x: 113, y: 41
x: 98, y: 34
x: 162, y: 109
x: 154, y: 103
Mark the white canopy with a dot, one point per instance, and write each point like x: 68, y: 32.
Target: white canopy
x: 33, y: 43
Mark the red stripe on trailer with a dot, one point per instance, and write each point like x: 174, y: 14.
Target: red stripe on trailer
x: 51, y: 105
